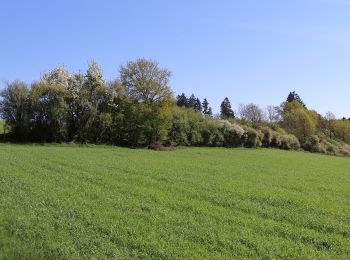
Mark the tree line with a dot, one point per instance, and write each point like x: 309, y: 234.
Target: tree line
x: 139, y: 109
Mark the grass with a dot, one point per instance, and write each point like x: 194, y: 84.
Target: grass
x: 73, y: 202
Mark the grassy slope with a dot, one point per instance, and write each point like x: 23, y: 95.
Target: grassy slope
x: 83, y: 202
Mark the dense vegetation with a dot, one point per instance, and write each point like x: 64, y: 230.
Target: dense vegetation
x: 139, y: 109
x: 74, y: 202
x: 2, y: 126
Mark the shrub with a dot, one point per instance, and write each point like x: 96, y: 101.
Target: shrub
x: 251, y: 137
x: 276, y: 140
x: 313, y: 144
x: 233, y: 135
x: 267, y: 136
x: 290, y: 142
x: 345, y: 150
x: 331, y: 149
x: 180, y: 128
x: 211, y: 133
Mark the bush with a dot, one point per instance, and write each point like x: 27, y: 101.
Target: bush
x: 233, y: 135
x: 211, y: 133
x: 331, y: 149
x: 290, y: 142
x: 252, y: 137
x: 345, y: 150
x: 179, y: 130
x: 267, y: 136
x: 313, y: 144
x: 276, y: 140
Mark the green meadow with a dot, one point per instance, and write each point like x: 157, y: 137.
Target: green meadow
x: 102, y: 202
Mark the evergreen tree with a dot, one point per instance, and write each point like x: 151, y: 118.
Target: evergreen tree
x: 192, y: 102
x: 206, y: 108
x: 226, y: 110
x: 198, y: 105
x: 293, y: 96
x: 210, y: 112
x: 181, y: 100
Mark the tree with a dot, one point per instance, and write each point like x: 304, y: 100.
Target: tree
x: 299, y: 122
x: 198, y: 105
x: 75, y: 103
x: 273, y: 113
x: 74, y: 84
x: 49, y: 112
x: 226, y: 110
x: 145, y: 81
x: 181, y: 100
x: 251, y: 113
x: 146, y: 84
x: 14, y: 108
x: 329, y: 119
x: 206, y: 108
x: 293, y: 96
x: 192, y: 101
x: 341, y: 130
x: 57, y: 76
x: 94, y: 77
x: 93, y: 100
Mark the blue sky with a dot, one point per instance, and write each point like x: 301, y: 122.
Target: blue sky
x: 249, y: 50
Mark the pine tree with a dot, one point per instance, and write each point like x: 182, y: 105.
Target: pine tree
x: 198, y: 105
x: 226, y: 110
x: 293, y: 96
x: 181, y: 100
x: 192, y: 101
x: 206, y: 108
x: 210, y: 112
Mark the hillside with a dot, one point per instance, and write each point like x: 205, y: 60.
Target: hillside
x: 107, y: 202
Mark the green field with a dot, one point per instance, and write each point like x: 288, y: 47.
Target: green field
x: 98, y: 202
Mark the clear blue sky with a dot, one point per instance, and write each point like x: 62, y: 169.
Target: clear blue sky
x: 249, y: 50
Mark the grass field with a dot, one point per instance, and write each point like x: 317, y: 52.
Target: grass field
x: 72, y: 202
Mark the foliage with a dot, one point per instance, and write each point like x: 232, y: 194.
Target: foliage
x: 49, y: 112
x: 297, y: 120
x: 294, y: 97
x: 252, y: 137
x: 3, y: 127
x: 251, y: 113
x: 290, y: 142
x: 138, y: 109
x: 145, y: 81
x: 341, y: 130
x: 14, y: 106
x: 267, y: 136
x: 148, y: 85
x: 211, y: 133
x: 185, y: 127
x: 273, y: 114
x: 206, y: 108
x: 194, y: 103
x: 233, y: 134
x: 226, y: 111
x: 181, y: 100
